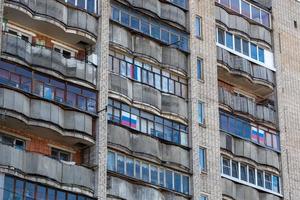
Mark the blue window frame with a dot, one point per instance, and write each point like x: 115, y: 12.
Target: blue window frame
x: 229, y: 40
x: 254, y: 51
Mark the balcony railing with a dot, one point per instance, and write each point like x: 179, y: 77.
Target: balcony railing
x: 247, y: 105
x: 242, y: 65
x: 42, y: 56
x: 33, y: 163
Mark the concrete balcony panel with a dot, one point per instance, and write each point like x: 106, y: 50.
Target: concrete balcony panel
x: 163, y: 10
x: 47, y: 58
x: 147, y: 146
x: 43, y: 166
x: 247, y: 149
x: 142, y: 93
x: 243, y: 73
x: 239, y: 191
x: 239, y: 23
x: 175, y: 59
x: 120, y: 36
x: 148, y: 47
x: 45, y: 117
x: 123, y: 189
x: 55, y: 18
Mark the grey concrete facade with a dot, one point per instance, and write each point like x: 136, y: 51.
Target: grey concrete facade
x: 143, y: 140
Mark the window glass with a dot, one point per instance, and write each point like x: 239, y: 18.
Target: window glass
x: 225, y: 2
x: 111, y: 161
x: 237, y: 43
x: 129, y: 167
x: 265, y: 18
x: 155, y: 31
x: 226, y: 166
x: 261, y: 54
x: 253, y: 51
x: 183, y: 139
x: 185, y: 184
x: 71, y: 196
x: 202, y: 197
x: 137, y: 169
x: 268, y: 181
x: 29, y: 190
x: 154, y: 175
x: 165, y: 87
x: 243, y: 172
x: 19, y: 188
x: 200, y: 113
x: 8, y: 188
x: 198, y: 26
x: 234, y: 169
x: 115, y: 14
x: 177, y: 182
x: 169, y: 179
x: 223, y: 122
x: 174, y: 38
x: 229, y: 40
x: 41, y: 192
x: 245, y: 9
x: 124, y: 18
x: 145, y: 26
x: 134, y: 23
x: 91, y: 6
x: 165, y: 36
x: 221, y: 36
x: 81, y: 4
x: 260, y: 178
x: 276, y: 184
x: 162, y: 177
x: 61, y: 195
x: 51, y: 194
x: 276, y: 142
x: 184, y: 43
x: 202, y: 159
x: 252, y: 175
x: 245, y: 47
x: 120, y: 164
x: 145, y: 172
x: 199, y: 69
x: 235, y: 5
x: 255, y: 13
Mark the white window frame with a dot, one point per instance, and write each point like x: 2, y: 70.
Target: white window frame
x: 85, y: 4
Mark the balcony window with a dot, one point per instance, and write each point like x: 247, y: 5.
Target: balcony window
x: 60, y: 154
x: 260, y: 178
x: 111, y: 165
x: 235, y: 169
x: 61, y: 195
x: 265, y: 18
x: 165, y: 36
x: 255, y: 13
x: 245, y: 9
x: 115, y: 14
x: 120, y: 164
x: 221, y: 36
x: 177, y: 182
x: 92, y: 6
x: 261, y: 54
x: 51, y: 194
x: 251, y: 175
x: 154, y: 175
x: 254, y: 51
x: 145, y: 27
x: 41, y: 192
x: 161, y: 177
x: 169, y: 179
x: 268, y: 181
x: 137, y: 169
x: 225, y: 2
x: 124, y: 18
x: 235, y: 5
x: 185, y: 185
x: 237, y: 43
x: 229, y: 40
x: 155, y: 31
x: 226, y: 166
x: 245, y: 45
x: 145, y: 172
x: 244, y: 174
x: 72, y: 197
x: 275, y: 184
x: 12, y: 141
x: 129, y: 167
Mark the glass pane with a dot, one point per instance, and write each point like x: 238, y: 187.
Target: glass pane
x: 145, y: 26
x: 129, y: 167
x: 155, y: 31
x: 145, y: 172
x: 169, y: 179
x: 229, y: 40
x: 202, y: 159
x: 185, y: 184
x: 260, y: 178
x: 199, y: 69
x: 120, y: 164
x: 237, y: 43
x: 154, y: 175
x: 243, y: 172
x: 268, y: 181
x: 137, y: 169
x: 261, y: 55
x: 221, y: 37
x: 41, y: 192
x: 198, y: 26
x: 253, y: 51
x: 124, y: 18
x: 19, y: 189
x: 81, y: 4
x: 162, y: 177
x: 8, y: 188
x: 61, y: 195
x: 276, y: 184
x: 255, y: 13
x: 111, y: 165
x: 29, y: 191
x: 226, y: 166
x: 165, y: 36
x: 225, y: 2
x: 177, y: 182
x: 235, y: 169
x: 265, y: 18
x: 246, y: 9
x: 235, y: 5
x: 245, y: 47
x: 91, y: 6
x: 134, y: 23
x: 51, y: 194
x: 251, y: 175
x: 71, y: 196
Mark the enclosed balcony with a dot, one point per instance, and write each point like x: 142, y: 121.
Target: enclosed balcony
x: 243, y: 73
x: 47, y: 58
x: 247, y: 106
x: 74, y: 177
x: 60, y: 20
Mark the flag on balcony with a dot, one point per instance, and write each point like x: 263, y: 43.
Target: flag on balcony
x: 254, y: 134
x: 125, y: 118
x: 261, y: 136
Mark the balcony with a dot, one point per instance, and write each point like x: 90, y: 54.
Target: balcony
x: 56, y: 18
x: 72, y: 176
x: 44, y: 117
x: 247, y: 106
x: 243, y: 73
x: 41, y: 56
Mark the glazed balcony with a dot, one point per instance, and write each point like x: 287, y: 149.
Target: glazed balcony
x: 243, y: 73
x: 47, y: 58
x: 75, y: 177
x: 60, y: 20
x: 246, y: 106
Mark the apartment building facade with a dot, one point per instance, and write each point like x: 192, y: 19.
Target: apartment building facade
x: 149, y: 99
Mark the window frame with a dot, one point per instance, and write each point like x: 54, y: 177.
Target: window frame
x: 198, y: 30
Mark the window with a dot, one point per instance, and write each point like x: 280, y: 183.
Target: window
x: 199, y: 69
x: 237, y: 43
x: 221, y: 36
x: 134, y: 23
x: 111, y: 165
x: 229, y: 40
x: 245, y: 45
x: 200, y: 112
x: 115, y: 14
x: 253, y: 51
x: 92, y: 6
x: 255, y: 13
x: 198, y: 27
x: 137, y: 169
x: 161, y: 177
x: 245, y: 9
x: 155, y: 32
x: 252, y: 175
x: 260, y: 178
x: 235, y: 169
x: 185, y: 185
x: 202, y: 159
x: 12, y: 141
x: 235, y: 5
x: 120, y: 164
x: 244, y: 175
x: 268, y: 181
x: 145, y: 172
x: 203, y: 197
x: 225, y: 2
x: 261, y: 55
x: 60, y: 154
x: 275, y: 181
x: 177, y: 182
x: 154, y: 175
x: 226, y: 166
x: 129, y: 167
x: 145, y: 27
x: 169, y: 179
x: 165, y: 36
x: 124, y: 18
x: 265, y: 18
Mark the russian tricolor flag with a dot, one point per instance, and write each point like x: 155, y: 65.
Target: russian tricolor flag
x: 254, y: 134
x: 125, y: 119
x: 261, y: 136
